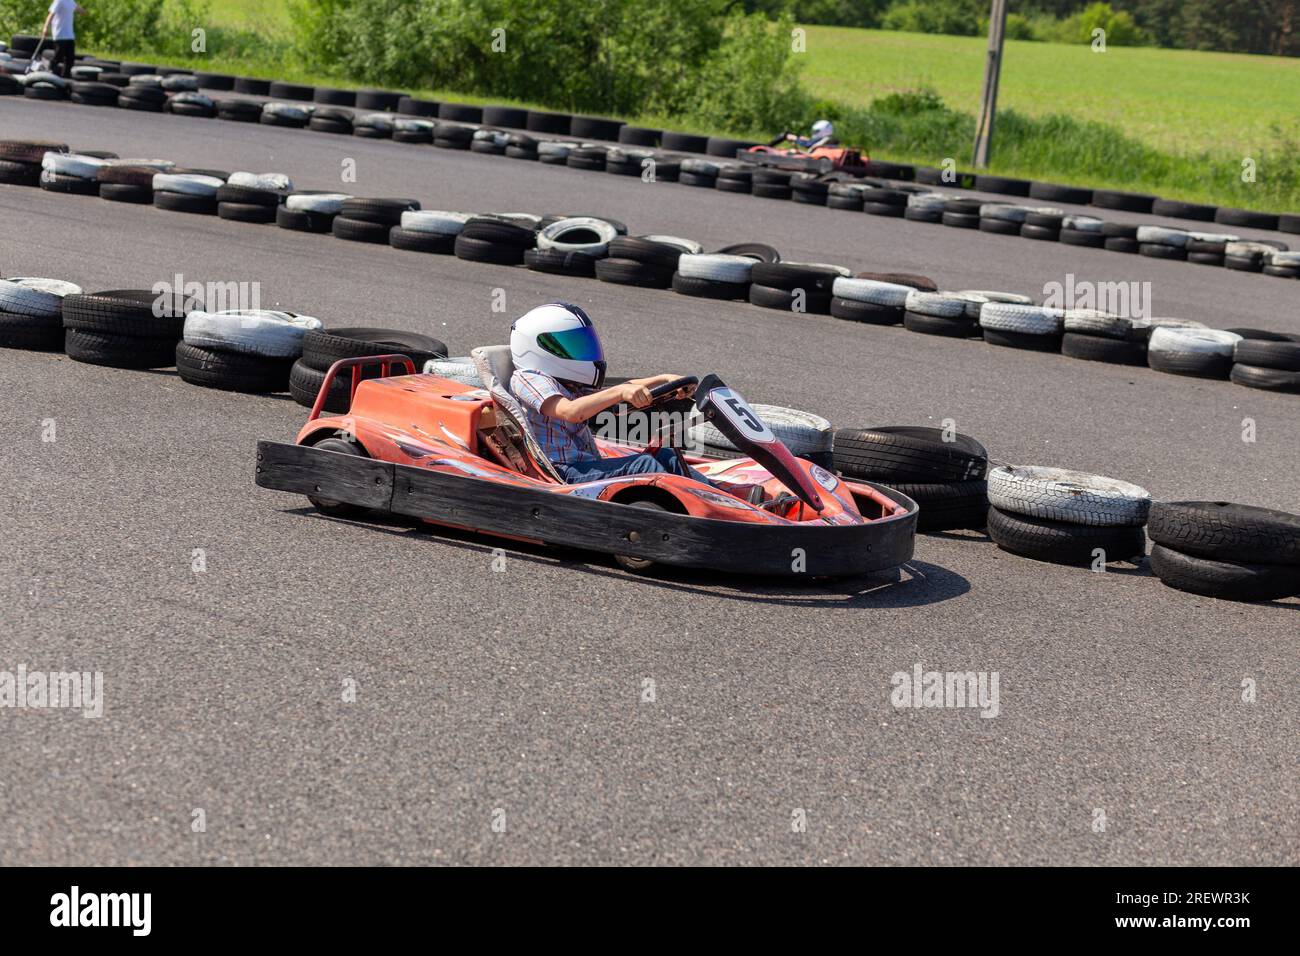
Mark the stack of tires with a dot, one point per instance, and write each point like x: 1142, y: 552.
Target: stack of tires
x: 31, y: 313
x: 1100, y: 337
x: 145, y: 97
x: 1066, y: 517
x: 331, y: 120
x: 428, y: 230
x: 571, y: 246
x: 239, y: 111
x: 923, y: 207
x: 866, y: 300
x: 1222, y: 550
x: 1283, y: 264
x: 291, y: 115
x: 1203, y: 353
x: 370, y: 220
x: 502, y: 240
x: 321, y: 348
x: 192, y: 103
x: 241, y: 203
x: 939, y: 313
x: 187, y: 192
x: 74, y: 173
x: 942, y: 471
x: 126, y: 328
x: 1003, y: 219
x: 241, y: 350
x: 452, y: 136
x: 1267, y: 360
x: 20, y: 160
x: 1011, y: 325
x: 1083, y: 231
x: 1246, y: 256
x: 795, y: 286
x: 374, y: 126
x: 698, y: 172
x: 646, y: 261
x: 1159, y: 242
x: 714, y: 276
x: 93, y: 92
x: 1043, y: 225
x: 310, y: 211
x: 44, y: 85
x: 407, y: 130
x: 733, y: 178
x: 805, y: 434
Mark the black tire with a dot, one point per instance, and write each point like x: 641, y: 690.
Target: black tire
x: 19, y: 174
x: 1231, y: 581
x: 1252, y: 263
x: 502, y: 231
x: 359, y: 230
x: 801, y: 301
x: 1061, y: 543
x: 760, y: 251
x: 337, y: 127
x: 124, y: 192
x: 1223, y: 531
x: 772, y: 190
x: 909, y: 454
x: 34, y: 333
x: 373, y: 132
x: 73, y: 185
x: 119, y: 351
x: 640, y: 136
x: 1282, y: 272
x: 386, y: 212
x: 1076, y: 195
x: 884, y: 209
x: 576, y: 264
x: 591, y: 158
x: 300, y: 220
x: 378, y: 100
x: 1080, y: 237
x: 1196, y: 364
x: 959, y: 328
x: 540, y: 121
x: 221, y: 82
x: 868, y: 312
x: 1003, y: 185
x: 246, y: 212
x: 415, y: 136
x: 1124, y: 230
x: 412, y: 106
x: 1121, y: 244
x: 1023, y: 340
x: 959, y: 220
x: 1246, y: 217
x: 593, y: 127
x: 29, y: 150
x: 1043, y: 233
x: 949, y: 506
x: 455, y: 112
x: 1155, y: 250
x: 1128, y: 202
x: 239, y: 111
x: 484, y: 250
x: 1269, y: 379
x: 183, y: 202
x: 331, y: 97
x: 47, y: 93
x: 200, y: 110
x: 813, y: 279
x: 931, y: 214
x: 650, y: 252
x: 128, y: 313
x: 1279, y: 353
x: 321, y: 348
x: 292, y: 91
x: 1184, y: 210
x: 631, y: 272
x: 697, y: 179
x: 280, y: 119
x: 709, y: 288
x: 1000, y: 227
x: 305, y: 383
x: 139, y: 103
x: 412, y: 241
x: 251, y: 86
x: 684, y: 142
x: 231, y: 371
x: 1205, y: 258
x: 727, y: 184
x: 1096, y: 348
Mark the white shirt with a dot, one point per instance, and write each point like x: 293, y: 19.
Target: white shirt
x: 61, y: 25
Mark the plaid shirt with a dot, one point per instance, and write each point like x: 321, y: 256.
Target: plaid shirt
x: 563, y: 442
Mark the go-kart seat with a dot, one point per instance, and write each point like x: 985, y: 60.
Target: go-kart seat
x: 496, y: 367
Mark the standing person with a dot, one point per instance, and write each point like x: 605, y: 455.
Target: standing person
x: 60, y: 17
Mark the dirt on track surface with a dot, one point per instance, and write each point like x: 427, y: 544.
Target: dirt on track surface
x: 518, y: 695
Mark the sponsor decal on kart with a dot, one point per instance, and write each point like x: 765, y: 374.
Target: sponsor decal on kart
x: 824, y: 478
x: 738, y: 412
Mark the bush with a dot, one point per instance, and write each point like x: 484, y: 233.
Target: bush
x: 956, y: 17
x: 1119, y: 26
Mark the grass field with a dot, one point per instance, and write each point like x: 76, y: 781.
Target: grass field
x: 1176, y: 100
x: 1176, y: 123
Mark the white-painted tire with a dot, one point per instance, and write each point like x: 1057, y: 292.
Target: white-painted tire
x: 437, y: 222
x: 194, y: 98
x: 555, y: 148
x: 887, y: 294
x: 44, y: 77
x: 288, y: 110
x: 1082, y: 223
x: 943, y: 305
x: 180, y: 83
x: 150, y: 81
x: 329, y: 204
x: 699, y: 167
x: 802, y: 432
x: 33, y: 296
x: 553, y: 236
x: 458, y: 369
x: 162, y: 165
x: 262, y: 332
x: 715, y: 267
x: 1092, y: 322
x: 1160, y: 236
x: 1075, y: 497
x: 1200, y: 341
x: 1008, y: 212
x: 1026, y: 319
x: 375, y: 121
x: 976, y: 299
x: 406, y: 124
x: 72, y: 164
x: 191, y: 184
x: 276, y: 182
x: 689, y: 246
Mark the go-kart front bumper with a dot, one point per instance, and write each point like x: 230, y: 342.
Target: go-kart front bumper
x: 807, y: 548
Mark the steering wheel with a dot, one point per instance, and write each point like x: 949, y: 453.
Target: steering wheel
x: 661, y: 392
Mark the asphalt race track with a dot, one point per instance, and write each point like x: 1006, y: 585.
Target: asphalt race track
x: 518, y: 695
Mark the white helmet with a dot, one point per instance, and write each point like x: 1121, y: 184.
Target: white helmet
x: 557, y: 339
x: 822, y: 129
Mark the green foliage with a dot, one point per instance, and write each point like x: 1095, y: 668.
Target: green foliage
x: 750, y: 82
x: 1119, y: 27
x: 955, y: 17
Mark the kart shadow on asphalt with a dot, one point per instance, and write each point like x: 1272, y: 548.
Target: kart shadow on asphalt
x: 914, y: 584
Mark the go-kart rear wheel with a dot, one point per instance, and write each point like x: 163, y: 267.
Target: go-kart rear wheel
x: 328, y: 506
x: 627, y: 561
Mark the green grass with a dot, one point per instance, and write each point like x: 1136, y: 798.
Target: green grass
x: 1175, y: 100
x: 1175, y: 123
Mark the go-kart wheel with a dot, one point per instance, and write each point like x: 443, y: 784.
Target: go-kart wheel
x: 627, y: 561
x: 328, y: 506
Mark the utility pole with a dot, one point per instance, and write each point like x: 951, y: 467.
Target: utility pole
x: 989, y: 96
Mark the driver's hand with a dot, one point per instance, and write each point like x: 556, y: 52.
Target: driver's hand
x: 635, y: 393
x: 685, y: 391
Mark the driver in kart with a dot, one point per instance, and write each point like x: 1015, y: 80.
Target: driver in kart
x: 823, y: 134
x: 559, y: 369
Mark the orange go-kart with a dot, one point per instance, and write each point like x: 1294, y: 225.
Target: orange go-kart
x: 462, y: 456
x: 820, y: 159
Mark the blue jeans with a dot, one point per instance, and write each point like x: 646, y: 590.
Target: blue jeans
x: 593, y: 469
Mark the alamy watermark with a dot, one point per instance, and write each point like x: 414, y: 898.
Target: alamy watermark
x: 22, y: 689
x: 210, y: 296
x: 951, y: 689
x: 1128, y: 300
